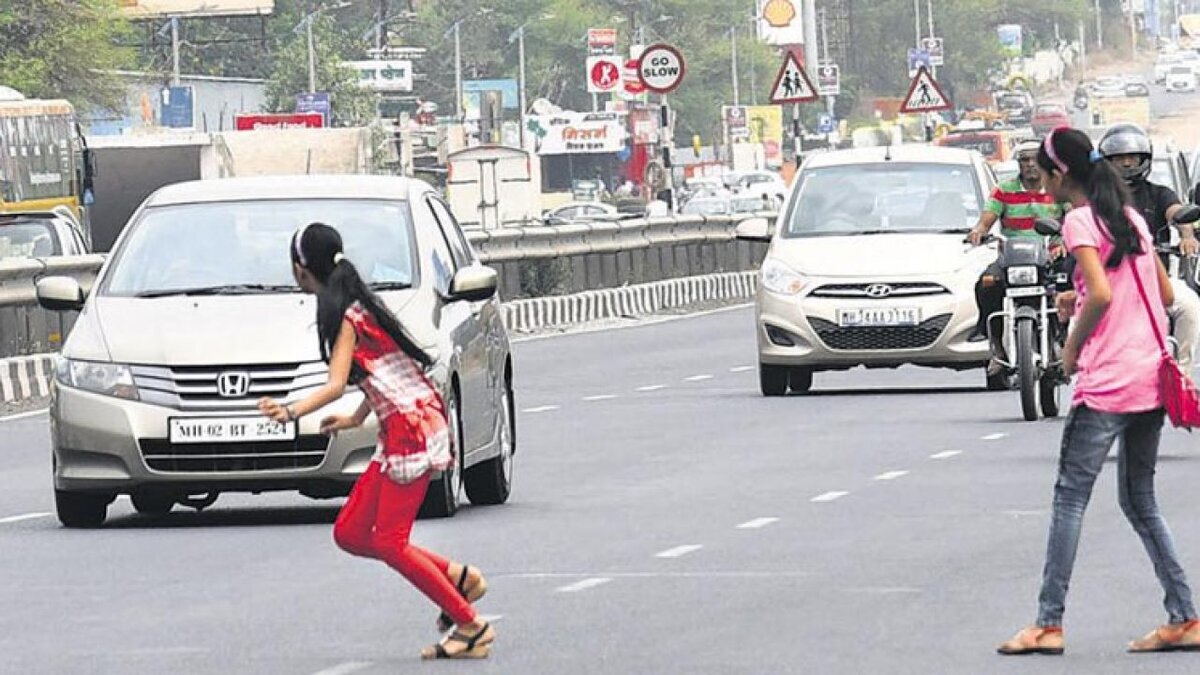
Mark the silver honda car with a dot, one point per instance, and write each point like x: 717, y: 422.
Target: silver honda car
x: 196, y: 315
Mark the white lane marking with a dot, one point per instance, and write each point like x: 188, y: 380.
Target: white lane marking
x: 697, y: 378
x: 652, y: 387
x: 829, y: 496
x: 678, y: 551
x: 891, y: 475
x: 584, y: 584
x: 639, y: 324
x: 600, y: 397
x: 542, y: 409
x: 993, y: 437
x: 491, y: 618
x: 345, y: 668
x: 24, y: 415
x: 23, y: 516
x: 946, y: 455
x: 655, y: 575
x: 757, y: 523
x: 741, y: 369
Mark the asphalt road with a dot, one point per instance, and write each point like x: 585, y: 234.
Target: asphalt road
x: 666, y: 519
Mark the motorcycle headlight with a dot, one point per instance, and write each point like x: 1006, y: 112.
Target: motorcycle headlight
x: 109, y: 379
x: 1022, y: 275
x: 779, y: 278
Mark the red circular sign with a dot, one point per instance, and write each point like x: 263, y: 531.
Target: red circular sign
x: 661, y: 68
x: 605, y: 75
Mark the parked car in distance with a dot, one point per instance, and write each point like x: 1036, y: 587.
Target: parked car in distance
x: 1049, y: 116
x: 1163, y: 65
x: 1136, y: 85
x: 1017, y: 107
x: 1181, y: 79
x: 707, y: 206
x: 580, y: 212
x: 1109, y: 86
x: 41, y: 234
x: 196, y: 315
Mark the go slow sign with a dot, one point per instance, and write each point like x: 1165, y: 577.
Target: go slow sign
x: 661, y: 68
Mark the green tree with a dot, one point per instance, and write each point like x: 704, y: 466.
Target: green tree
x: 352, y: 105
x: 64, y: 49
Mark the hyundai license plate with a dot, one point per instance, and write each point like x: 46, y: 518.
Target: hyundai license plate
x: 228, y: 430
x: 879, y: 316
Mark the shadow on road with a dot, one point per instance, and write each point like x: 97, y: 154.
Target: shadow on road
x: 889, y: 391
x: 183, y: 517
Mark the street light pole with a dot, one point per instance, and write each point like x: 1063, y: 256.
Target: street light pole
x: 917, y: 20
x: 458, y: 86
x: 312, y: 54
x: 734, y: 64
x: 929, y: 16
x: 175, y: 73
x: 521, y: 61
x: 1099, y: 27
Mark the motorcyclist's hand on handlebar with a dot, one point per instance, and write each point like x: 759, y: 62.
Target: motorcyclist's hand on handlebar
x: 1057, y: 251
x: 975, y: 238
x: 1189, y: 246
x: 1065, y: 304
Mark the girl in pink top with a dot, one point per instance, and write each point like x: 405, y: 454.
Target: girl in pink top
x: 1113, y: 351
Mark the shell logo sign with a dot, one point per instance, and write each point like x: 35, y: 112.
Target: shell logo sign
x: 780, y: 22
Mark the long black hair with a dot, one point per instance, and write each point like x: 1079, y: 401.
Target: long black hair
x: 318, y: 248
x: 1070, y: 152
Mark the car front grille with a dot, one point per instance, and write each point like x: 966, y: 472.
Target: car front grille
x: 306, y: 452
x: 906, y: 289
x: 880, y: 338
x: 195, y: 389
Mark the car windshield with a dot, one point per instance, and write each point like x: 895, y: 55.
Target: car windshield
x: 883, y: 198
x: 242, y: 247
x: 706, y: 207
x: 27, y: 238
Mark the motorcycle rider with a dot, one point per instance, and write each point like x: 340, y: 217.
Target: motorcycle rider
x: 1129, y: 149
x: 1017, y: 204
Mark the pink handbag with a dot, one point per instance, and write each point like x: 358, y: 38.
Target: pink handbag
x: 1179, y: 394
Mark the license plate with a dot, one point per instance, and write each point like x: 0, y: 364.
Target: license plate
x: 879, y: 316
x: 228, y: 430
x: 1027, y: 292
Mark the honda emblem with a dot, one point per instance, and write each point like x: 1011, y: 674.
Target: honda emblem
x: 233, y: 384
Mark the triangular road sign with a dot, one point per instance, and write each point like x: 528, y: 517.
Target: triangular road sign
x: 924, y: 95
x: 792, y: 84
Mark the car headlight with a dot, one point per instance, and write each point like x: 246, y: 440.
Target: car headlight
x: 109, y: 379
x: 779, y: 278
x: 1022, y: 275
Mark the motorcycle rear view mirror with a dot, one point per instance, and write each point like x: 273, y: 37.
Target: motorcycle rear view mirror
x: 1188, y: 214
x: 1047, y: 227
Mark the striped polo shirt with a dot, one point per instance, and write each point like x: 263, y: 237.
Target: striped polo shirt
x: 1018, y: 208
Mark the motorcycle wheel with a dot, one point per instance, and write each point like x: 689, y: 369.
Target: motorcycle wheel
x: 1026, y: 372
x: 1050, y: 393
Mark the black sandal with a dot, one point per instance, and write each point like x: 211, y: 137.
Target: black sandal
x: 444, y: 622
x: 477, y: 648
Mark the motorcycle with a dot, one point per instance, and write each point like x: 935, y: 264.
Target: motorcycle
x: 1033, y: 336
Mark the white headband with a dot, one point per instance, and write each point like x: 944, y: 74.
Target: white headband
x: 299, y: 250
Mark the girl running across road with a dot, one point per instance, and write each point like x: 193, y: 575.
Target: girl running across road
x: 364, y: 344
x: 1113, y: 349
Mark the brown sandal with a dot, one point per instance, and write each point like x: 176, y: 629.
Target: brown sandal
x: 1034, y: 640
x: 476, y: 591
x: 1183, y: 637
x: 478, y: 646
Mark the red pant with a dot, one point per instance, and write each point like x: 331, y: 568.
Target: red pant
x: 376, y: 522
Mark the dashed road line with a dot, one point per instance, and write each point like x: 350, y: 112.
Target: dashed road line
x: 652, y: 387
x: 741, y: 369
x: 678, y: 551
x: 946, y: 455
x: 599, y: 397
x: 829, y: 496
x: 584, y: 584
x: 23, y: 517
x: 697, y: 378
x: 541, y: 409
x: 757, y: 523
x: 891, y: 475
x: 993, y: 437
x: 345, y: 668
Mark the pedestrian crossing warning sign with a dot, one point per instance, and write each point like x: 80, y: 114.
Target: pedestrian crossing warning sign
x: 925, y: 95
x: 792, y: 84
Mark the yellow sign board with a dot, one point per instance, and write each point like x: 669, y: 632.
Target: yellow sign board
x: 1109, y: 111
x: 765, y: 124
x: 157, y: 9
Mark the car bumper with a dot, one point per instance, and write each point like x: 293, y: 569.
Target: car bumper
x: 110, y: 445
x: 811, y: 326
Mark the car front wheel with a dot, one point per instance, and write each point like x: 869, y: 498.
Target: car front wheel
x: 80, y: 509
x: 773, y: 380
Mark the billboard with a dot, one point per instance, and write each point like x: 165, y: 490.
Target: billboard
x: 157, y: 9
x: 780, y: 22
x: 384, y: 76
x: 257, y: 121
x: 765, y: 123
x: 574, y: 133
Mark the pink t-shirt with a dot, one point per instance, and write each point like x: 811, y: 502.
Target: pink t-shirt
x: 1118, y: 365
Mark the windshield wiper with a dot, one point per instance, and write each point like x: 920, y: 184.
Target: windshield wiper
x: 228, y: 289
x: 391, y: 286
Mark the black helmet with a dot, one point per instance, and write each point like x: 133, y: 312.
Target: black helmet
x: 1128, y: 139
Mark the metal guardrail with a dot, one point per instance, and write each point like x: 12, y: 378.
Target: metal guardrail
x: 25, y: 328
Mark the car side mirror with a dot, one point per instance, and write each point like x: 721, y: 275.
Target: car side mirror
x: 60, y: 294
x: 474, y: 284
x: 1047, y: 227
x: 1188, y: 214
x: 754, y: 229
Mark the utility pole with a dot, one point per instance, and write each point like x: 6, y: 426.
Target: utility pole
x: 458, y: 84
x: 175, y: 73
x: 1083, y: 47
x: 811, y: 57
x: 1099, y: 27
x: 1133, y: 34
x: 381, y: 26
x: 312, y: 54
x: 521, y: 65
x: 932, y: 35
x: 733, y: 66
x: 753, y: 71
x: 829, y: 100
x: 917, y: 20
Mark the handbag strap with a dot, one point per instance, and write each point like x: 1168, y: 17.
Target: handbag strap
x: 1145, y: 300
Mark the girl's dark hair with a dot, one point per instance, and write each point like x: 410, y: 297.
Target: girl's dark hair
x: 1072, y: 150
x: 315, y: 248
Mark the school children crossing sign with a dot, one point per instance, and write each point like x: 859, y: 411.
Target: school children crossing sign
x: 924, y: 95
x: 792, y: 84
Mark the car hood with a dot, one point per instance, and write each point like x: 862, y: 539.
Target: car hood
x: 881, y: 256
x: 241, y: 329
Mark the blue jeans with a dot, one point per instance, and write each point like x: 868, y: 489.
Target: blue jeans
x: 1087, y: 438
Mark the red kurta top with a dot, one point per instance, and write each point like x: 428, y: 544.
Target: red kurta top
x: 413, y: 436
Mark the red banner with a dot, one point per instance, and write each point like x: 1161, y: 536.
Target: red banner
x: 312, y: 120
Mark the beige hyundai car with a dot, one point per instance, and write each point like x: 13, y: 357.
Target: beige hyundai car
x: 868, y: 265
x: 196, y: 315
